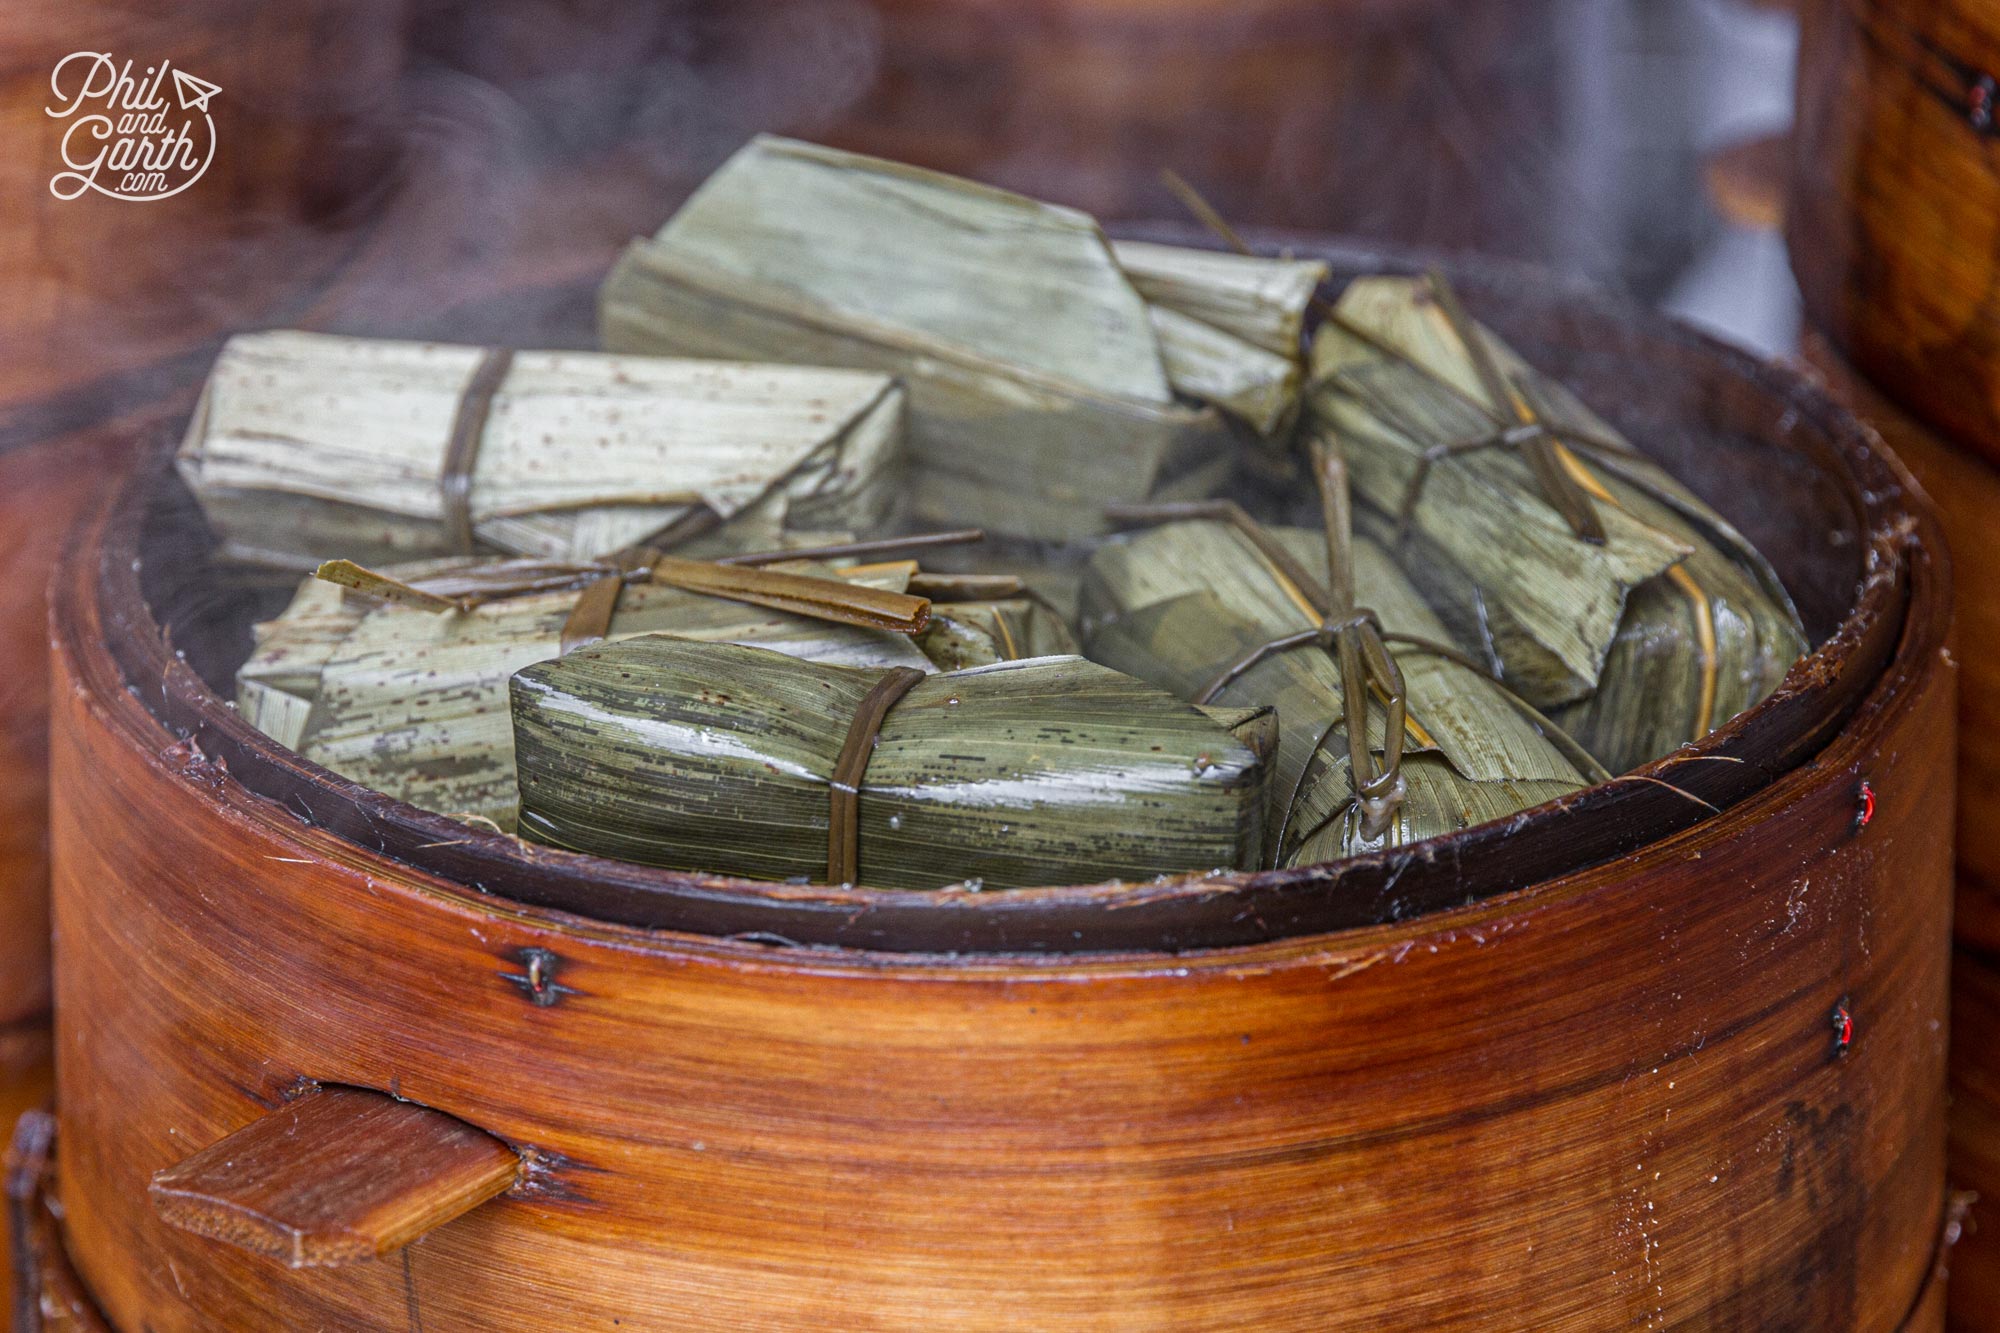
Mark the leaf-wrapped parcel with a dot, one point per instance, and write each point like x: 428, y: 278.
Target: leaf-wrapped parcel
x: 306, y: 446
x: 717, y: 758
x: 1050, y: 373
x: 1179, y: 604
x: 413, y: 703
x: 1637, y: 643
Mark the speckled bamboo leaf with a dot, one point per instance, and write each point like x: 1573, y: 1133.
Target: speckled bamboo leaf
x: 308, y: 446
x: 1039, y: 389
x: 1726, y: 599
x: 1052, y: 770
x: 414, y: 703
x: 1179, y: 603
x: 276, y: 685
x: 1698, y: 645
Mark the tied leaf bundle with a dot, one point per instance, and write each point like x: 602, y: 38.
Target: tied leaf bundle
x: 1049, y: 372
x: 1180, y: 604
x: 733, y: 760
x: 413, y: 702
x: 308, y: 445
x: 1596, y: 586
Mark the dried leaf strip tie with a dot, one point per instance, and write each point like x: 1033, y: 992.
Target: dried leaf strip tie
x: 1635, y: 645
x: 1560, y: 487
x: 1566, y: 483
x: 843, y: 838
x: 801, y: 594
x: 461, y: 455
x: 745, y: 580
x: 1350, y: 635
x: 1567, y: 491
x: 590, y: 619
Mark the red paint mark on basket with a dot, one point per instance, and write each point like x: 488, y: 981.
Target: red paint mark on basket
x: 1843, y: 1028
x: 1864, y: 813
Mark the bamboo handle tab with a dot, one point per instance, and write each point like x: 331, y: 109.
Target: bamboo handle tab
x: 338, y: 1176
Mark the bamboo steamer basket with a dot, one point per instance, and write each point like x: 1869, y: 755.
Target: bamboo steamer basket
x: 1620, y: 1061
x: 98, y: 315
x: 1967, y: 494
x: 1894, y: 221
x: 1895, y: 190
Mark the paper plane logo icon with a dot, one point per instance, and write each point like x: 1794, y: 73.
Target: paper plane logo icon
x: 194, y: 93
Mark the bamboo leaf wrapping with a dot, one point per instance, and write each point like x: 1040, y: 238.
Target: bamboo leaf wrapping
x: 1179, y: 603
x: 1042, y: 384
x: 1492, y: 554
x: 1261, y: 301
x: 1026, y: 283
x: 1652, y: 697
x: 1053, y: 770
x: 969, y: 634
x: 306, y: 446
x: 1245, y: 381
x: 275, y: 688
x: 414, y: 703
x: 1618, y: 631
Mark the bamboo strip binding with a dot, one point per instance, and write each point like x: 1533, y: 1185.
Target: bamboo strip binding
x: 843, y: 837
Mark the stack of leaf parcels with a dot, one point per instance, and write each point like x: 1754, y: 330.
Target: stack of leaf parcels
x: 305, y: 445
x: 413, y: 702
x: 1595, y: 585
x: 412, y: 699
x: 712, y: 757
x: 1050, y: 372
x: 1178, y: 605
x: 1506, y: 600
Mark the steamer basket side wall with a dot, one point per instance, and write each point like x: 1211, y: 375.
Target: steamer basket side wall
x: 1628, y: 1095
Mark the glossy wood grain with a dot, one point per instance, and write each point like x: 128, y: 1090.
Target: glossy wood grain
x: 1975, y: 1141
x: 334, y: 1176
x: 1894, y: 220
x: 42, y: 491
x: 753, y: 1137
x: 1625, y: 1094
x: 1966, y: 490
